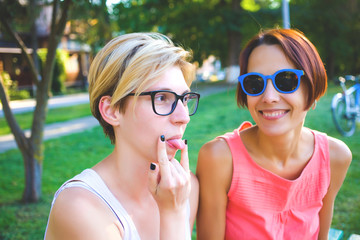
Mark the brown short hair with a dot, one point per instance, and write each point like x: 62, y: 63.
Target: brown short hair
x: 299, y: 51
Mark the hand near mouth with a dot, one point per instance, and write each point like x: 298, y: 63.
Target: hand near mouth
x: 169, y: 183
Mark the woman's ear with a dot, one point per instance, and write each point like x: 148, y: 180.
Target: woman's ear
x: 110, y: 114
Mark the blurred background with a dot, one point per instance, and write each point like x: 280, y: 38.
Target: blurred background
x: 72, y: 32
x: 215, y: 30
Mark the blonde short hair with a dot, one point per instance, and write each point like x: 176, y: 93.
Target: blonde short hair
x: 132, y: 62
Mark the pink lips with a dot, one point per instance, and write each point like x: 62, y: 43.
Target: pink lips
x: 176, y: 143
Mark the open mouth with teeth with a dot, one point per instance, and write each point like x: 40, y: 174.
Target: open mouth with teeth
x: 273, y: 114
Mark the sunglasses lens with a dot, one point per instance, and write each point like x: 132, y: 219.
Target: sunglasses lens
x: 286, y: 81
x: 253, y: 84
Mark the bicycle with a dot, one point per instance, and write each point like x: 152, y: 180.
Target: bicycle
x: 345, y: 106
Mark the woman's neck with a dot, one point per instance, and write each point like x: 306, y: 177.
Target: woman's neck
x: 278, y: 149
x: 126, y: 172
x: 284, y: 155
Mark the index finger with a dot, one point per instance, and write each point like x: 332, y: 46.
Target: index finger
x: 184, y: 161
x: 163, y: 159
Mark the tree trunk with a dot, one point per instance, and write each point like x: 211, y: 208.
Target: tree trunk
x: 33, y: 169
x: 234, y: 38
x: 34, y: 161
x: 32, y: 149
x: 33, y: 173
x: 330, y: 66
x: 234, y: 47
x: 34, y: 40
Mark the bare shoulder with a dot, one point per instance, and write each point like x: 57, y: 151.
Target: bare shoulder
x: 340, y: 159
x: 80, y: 214
x: 214, y: 171
x: 215, y: 163
x: 216, y: 151
x: 340, y: 154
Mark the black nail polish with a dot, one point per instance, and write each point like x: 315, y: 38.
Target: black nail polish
x: 162, y: 138
x: 152, y: 166
x: 185, y: 141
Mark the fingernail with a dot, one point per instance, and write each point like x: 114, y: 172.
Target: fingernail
x: 162, y: 138
x: 152, y: 166
x: 185, y: 141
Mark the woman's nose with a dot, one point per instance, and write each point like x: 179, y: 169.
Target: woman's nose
x: 270, y: 94
x: 181, y: 113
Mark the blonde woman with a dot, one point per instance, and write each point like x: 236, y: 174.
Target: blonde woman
x: 139, y: 92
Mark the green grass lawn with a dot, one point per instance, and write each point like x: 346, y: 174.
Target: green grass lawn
x: 54, y: 115
x: 217, y: 114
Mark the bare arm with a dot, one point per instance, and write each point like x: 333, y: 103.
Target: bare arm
x: 79, y: 214
x: 340, y: 159
x: 214, y: 171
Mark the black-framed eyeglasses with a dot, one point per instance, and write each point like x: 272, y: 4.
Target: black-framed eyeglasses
x: 164, y: 102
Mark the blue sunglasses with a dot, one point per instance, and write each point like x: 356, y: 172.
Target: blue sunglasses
x: 284, y: 81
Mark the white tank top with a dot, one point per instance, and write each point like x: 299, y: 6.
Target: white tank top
x: 91, y: 181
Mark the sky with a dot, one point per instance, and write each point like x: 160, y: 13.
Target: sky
x: 109, y: 2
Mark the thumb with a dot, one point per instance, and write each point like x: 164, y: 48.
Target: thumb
x: 153, y: 175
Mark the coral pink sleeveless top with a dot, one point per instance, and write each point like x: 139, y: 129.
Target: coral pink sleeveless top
x: 262, y: 205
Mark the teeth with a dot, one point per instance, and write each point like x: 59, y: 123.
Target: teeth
x: 273, y: 114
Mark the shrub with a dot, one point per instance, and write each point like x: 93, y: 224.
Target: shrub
x: 11, y: 87
x: 59, y: 73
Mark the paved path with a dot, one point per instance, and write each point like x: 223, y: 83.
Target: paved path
x: 54, y: 130
x: 28, y: 105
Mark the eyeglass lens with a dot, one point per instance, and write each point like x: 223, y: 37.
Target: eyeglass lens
x: 165, y: 102
x: 253, y: 84
x: 285, y: 81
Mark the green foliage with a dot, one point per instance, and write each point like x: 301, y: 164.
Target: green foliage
x: 59, y: 73
x: 217, y: 114
x: 16, y: 11
x: 11, y: 88
x: 334, y: 28
x: 202, y: 26
x: 250, y: 5
x: 28, y: 221
x: 93, y: 20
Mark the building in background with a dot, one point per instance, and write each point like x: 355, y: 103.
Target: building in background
x: 76, y: 66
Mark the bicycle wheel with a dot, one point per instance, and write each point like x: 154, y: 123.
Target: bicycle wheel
x: 345, y: 123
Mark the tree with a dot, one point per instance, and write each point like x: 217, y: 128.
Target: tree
x: 222, y: 27
x: 334, y: 28
x: 91, y: 24
x: 208, y: 27
x: 32, y: 148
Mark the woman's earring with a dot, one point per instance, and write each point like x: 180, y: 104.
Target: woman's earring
x: 314, y: 105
